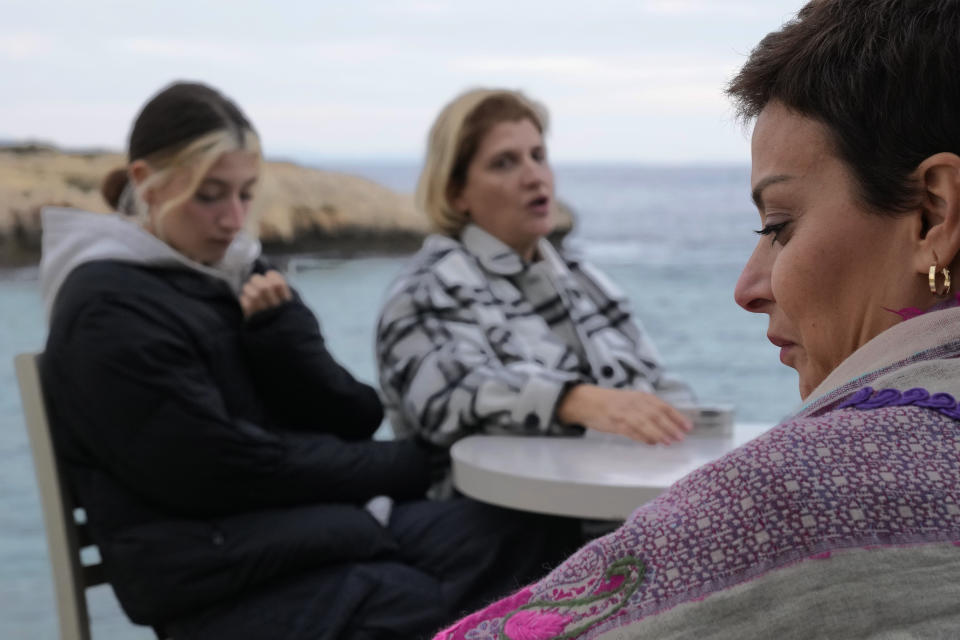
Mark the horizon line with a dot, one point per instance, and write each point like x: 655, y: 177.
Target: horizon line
x: 312, y: 158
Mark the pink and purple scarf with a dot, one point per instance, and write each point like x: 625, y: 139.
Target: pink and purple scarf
x: 842, y: 521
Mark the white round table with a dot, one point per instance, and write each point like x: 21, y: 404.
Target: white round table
x: 596, y: 476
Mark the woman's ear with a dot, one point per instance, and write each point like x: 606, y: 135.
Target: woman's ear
x: 939, y: 180
x: 459, y: 202
x: 139, y: 171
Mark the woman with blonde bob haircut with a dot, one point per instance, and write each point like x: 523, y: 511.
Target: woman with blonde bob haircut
x: 489, y: 328
x: 224, y: 459
x: 453, y: 141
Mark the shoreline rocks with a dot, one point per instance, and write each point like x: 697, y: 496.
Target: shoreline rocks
x: 300, y: 210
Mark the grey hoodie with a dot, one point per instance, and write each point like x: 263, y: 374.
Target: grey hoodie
x: 72, y: 237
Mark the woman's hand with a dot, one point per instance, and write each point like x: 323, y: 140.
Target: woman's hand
x: 636, y: 414
x: 262, y: 292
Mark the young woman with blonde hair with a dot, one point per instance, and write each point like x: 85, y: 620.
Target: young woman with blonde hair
x: 223, y: 457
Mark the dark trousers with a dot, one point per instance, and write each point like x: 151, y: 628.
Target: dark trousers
x: 455, y: 557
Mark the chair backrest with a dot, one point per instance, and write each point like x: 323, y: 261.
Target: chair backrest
x: 66, y: 535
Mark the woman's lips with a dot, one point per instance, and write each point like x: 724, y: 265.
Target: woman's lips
x: 785, y: 353
x: 786, y: 347
x: 539, y: 205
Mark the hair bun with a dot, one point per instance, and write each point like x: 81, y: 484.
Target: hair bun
x: 113, y: 185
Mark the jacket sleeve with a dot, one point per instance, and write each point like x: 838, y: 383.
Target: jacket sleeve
x: 668, y: 388
x: 442, y: 379
x: 650, y: 375
x: 133, y: 391
x: 300, y: 379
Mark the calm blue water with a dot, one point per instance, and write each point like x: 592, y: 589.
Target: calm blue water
x: 674, y: 238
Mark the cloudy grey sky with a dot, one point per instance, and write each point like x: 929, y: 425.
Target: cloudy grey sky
x: 625, y: 80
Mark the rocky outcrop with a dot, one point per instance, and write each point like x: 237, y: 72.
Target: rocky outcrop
x: 299, y: 209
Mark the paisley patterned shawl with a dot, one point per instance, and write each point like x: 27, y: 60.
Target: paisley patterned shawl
x: 842, y: 521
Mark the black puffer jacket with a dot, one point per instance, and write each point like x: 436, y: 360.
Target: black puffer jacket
x: 212, y: 454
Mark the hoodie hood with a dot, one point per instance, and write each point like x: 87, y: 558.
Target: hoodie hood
x: 72, y: 237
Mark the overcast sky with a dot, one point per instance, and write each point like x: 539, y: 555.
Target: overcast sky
x: 628, y: 80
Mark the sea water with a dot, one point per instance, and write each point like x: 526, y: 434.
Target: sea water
x: 673, y: 238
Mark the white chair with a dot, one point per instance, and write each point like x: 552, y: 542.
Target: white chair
x: 65, y: 536
x: 64, y: 521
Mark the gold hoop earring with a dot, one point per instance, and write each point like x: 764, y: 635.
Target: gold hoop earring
x: 933, y: 281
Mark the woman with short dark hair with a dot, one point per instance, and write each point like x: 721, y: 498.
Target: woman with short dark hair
x: 844, y: 520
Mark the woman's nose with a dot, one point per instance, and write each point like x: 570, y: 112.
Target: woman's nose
x: 234, y: 214
x: 536, y: 172
x: 753, y: 291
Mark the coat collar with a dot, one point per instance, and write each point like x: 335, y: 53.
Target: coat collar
x: 498, y: 258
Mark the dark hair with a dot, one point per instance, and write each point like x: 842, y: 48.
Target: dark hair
x: 883, y: 76
x: 173, y: 118
x: 500, y: 107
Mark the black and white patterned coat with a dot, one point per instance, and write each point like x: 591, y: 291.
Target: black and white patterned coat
x: 468, y: 340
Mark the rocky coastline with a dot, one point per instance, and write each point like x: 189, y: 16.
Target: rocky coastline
x: 300, y: 210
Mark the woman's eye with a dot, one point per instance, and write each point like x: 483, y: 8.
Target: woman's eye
x: 207, y: 198
x: 502, y: 162
x: 246, y: 196
x: 774, y: 230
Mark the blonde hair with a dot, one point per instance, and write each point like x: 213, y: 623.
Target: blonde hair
x: 454, y: 138
x: 196, y: 159
x: 185, y: 127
